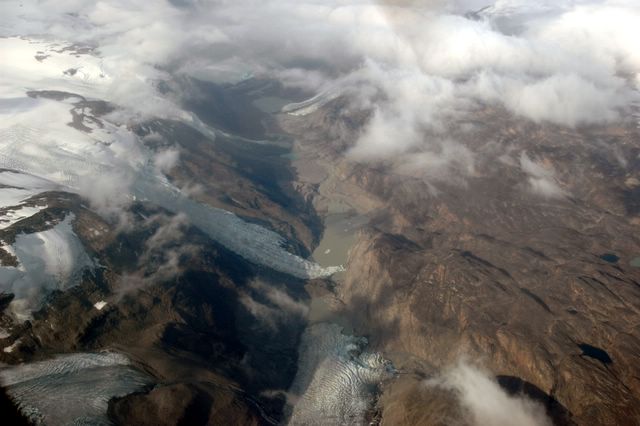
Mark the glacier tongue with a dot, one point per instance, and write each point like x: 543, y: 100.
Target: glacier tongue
x: 335, y: 378
x: 253, y: 242
x: 71, y: 389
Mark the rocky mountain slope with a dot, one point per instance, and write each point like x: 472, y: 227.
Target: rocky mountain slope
x: 524, y: 260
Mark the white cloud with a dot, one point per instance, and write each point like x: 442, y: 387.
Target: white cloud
x: 562, y: 65
x: 164, y: 254
x: 445, y: 162
x: 562, y: 99
x: 419, y: 67
x: 166, y: 160
x: 541, y: 179
x: 280, y: 309
x: 267, y: 315
x: 485, y: 402
x: 281, y: 299
x: 547, y: 72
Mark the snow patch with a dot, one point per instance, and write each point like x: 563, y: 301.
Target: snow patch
x: 100, y: 305
x: 13, y: 199
x: 10, y: 349
x: 15, y: 215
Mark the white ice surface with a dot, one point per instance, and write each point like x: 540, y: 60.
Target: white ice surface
x: 253, y: 242
x: 15, y: 215
x: 10, y: 197
x: 50, y: 260
x: 11, y: 347
x: 335, y: 378
x: 21, y: 69
x: 100, y: 305
x: 71, y: 389
x: 39, y: 142
x: 14, y: 192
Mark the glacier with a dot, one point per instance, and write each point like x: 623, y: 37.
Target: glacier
x: 107, y: 164
x: 253, y: 242
x: 50, y: 260
x: 72, y: 389
x: 336, y: 378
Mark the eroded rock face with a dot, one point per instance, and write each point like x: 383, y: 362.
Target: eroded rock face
x: 10, y: 412
x: 493, y: 264
x: 189, y: 328
x: 181, y: 404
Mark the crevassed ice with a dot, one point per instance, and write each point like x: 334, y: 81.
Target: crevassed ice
x: 253, y: 242
x: 336, y: 378
x: 71, y: 389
